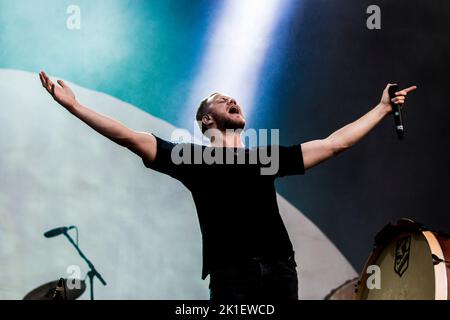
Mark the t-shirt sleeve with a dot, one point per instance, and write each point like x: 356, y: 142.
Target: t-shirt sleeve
x: 163, y: 161
x: 290, y: 161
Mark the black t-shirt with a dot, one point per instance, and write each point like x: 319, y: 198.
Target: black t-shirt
x: 236, y: 204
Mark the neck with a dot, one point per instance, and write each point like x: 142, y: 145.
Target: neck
x: 228, y: 140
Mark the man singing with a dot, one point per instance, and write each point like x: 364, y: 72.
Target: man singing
x: 246, y: 248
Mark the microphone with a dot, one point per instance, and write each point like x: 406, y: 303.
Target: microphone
x: 396, y: 108
x: 57, y: 231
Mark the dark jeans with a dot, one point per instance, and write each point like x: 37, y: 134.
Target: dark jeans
x: 255, y: 279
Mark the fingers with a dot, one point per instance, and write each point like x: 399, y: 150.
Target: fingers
x: 62, y: 83
x: 409, y: 89
x: 404, y: 92
x: 46, y: 82
x: 398, y: 100
x: 400, y: 96
x: 41, y: 77
x: 389, y: 85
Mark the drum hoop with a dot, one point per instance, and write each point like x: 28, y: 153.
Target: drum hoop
x: 440, y: 269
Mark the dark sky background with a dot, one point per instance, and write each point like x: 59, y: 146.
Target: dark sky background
x: 334, y: 72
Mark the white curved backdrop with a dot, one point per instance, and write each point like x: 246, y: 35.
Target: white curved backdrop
x: 139, y: 227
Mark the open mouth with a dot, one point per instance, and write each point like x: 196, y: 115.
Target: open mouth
x: 234, y: 110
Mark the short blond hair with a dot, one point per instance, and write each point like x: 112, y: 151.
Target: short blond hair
x: 203, y: 110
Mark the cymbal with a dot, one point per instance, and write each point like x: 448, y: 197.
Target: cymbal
x: 47, y: 290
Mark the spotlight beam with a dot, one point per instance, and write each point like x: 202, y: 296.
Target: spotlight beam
x: 235, y: 53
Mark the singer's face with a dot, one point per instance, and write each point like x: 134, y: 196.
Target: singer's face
x: 226, y: 112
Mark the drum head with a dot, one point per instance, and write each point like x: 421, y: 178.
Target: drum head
x: 406, y: 270
x: 345, y: 291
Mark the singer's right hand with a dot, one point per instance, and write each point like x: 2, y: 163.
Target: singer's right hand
x: 61, y: 92
x: 399, y: 99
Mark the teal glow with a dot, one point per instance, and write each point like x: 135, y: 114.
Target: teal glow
x: 143, y: 52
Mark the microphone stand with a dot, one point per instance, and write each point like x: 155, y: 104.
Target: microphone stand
x: 92, y: 273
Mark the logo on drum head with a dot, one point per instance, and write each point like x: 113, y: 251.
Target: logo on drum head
x: 402, y: 255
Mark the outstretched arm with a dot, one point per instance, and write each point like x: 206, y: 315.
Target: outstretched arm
x: 141, y: 143
x: 317, y: 151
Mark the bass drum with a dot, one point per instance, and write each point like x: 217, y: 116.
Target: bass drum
x: 411, y: 263
x: 345, y: 291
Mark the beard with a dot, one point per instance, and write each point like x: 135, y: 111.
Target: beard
x: 230, y: 122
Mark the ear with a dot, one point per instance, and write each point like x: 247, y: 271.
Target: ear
x: 207, y: 120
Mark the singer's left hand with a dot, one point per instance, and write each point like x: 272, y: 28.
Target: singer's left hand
x: 399, y: 99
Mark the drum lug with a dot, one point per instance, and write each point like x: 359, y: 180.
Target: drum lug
x: 437, y: 260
